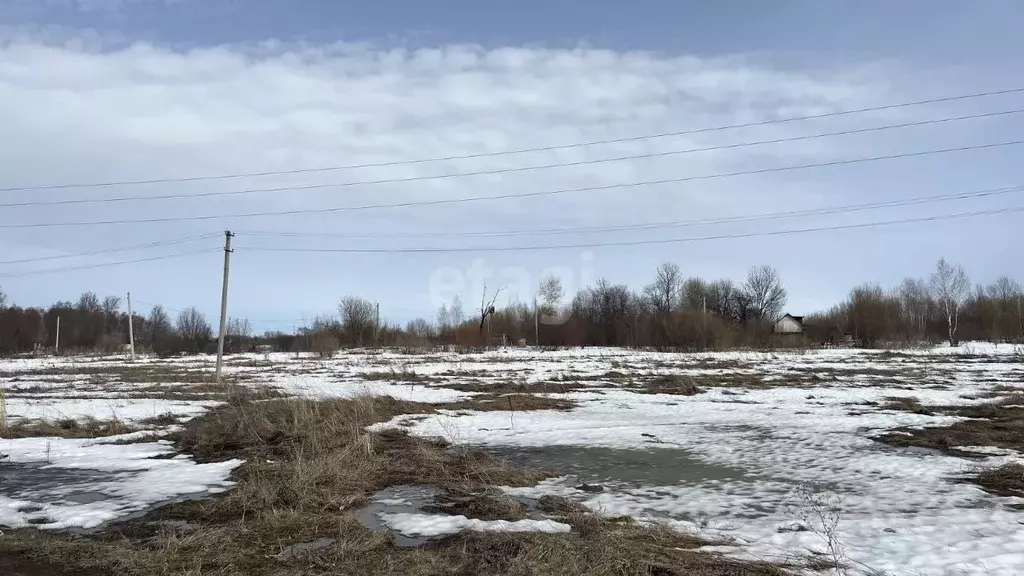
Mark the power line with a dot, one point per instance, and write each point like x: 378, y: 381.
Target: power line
x: 263, y: 320
x: 656, y: 225
x: 437, y: 202
x: 111, y: 250
x: 514, y: 169
x: 637, y: 242
x: 105, y: 264
x: 520, y: 150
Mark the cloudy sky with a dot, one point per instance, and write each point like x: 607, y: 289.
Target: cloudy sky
x: 187, y: 91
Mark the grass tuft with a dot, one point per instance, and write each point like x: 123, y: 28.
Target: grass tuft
x: 1007, y: 480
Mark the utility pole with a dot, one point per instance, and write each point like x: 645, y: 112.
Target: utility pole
x: 376, y: 325
x: 536, y: 323
x: 56, y: 343
x: 223, y: 302
x: 704, y: 322
x: 131, y: 328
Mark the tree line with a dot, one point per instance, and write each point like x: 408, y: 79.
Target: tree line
x: 101, y: 325
x: 673, y: 311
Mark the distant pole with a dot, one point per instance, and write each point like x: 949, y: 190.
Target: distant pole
x: 536, y: 323
x: 3, y: 408
x: 223, y: 302
x: 131, y: 328
x: 56, y: 343
x: 376, y: 325
x: 704, y: 322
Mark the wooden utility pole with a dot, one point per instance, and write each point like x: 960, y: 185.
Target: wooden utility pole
x: 224, y: 302
x: 56, y: 342
x: 376, y: 326
x: 131, y: 328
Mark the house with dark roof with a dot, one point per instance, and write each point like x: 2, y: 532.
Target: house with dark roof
x: 789, y: 324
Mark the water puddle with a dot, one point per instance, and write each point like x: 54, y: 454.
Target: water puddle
x: 594, y: 465
x: 43, y: 485
x: 397, y: 500
x: 47, y: 484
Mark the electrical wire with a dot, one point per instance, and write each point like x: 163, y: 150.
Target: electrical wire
x: 106, y: 264
x: 111, y: 250
x: 497, y: 171
x: 632, y: 242
x: 884, y: 107
x: 721, y: 175
x: 654, y: 225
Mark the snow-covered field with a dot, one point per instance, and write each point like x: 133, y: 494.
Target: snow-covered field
x: 793, y: 429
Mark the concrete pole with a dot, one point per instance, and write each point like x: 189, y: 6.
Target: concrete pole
x: 131, y: 328
x: 223, y: 302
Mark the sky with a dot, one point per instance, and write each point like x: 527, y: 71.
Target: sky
x: 187, y: 92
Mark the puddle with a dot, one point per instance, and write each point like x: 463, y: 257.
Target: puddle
x: 47, y: 484
x: 42, y: 484
x: 397, y: 500
x: 85, y: 497
x: 593, y: 465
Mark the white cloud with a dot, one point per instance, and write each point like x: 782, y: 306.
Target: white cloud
x: 74, y: 113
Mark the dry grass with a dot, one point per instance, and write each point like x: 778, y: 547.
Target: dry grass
x: 485, y: 504
x: 671, y: 384
x: 66, y: 428
x: 509, y: 403
x: 403, y: 375
x: 999, y: 424
x: 1007, y: 480
x: 514, y: 387
x: 906, y: 404
x: 309, y: 464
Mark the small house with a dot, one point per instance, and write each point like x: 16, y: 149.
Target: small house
x: 789, y: 324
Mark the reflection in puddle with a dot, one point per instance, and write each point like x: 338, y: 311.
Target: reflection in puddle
x: 594, y: 465
x: 396, y: 500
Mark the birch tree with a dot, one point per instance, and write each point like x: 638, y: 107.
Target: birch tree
x: 950, y: 288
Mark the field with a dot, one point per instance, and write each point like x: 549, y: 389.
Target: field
x: 851, y: 461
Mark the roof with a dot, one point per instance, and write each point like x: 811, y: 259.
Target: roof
x: 797, y: 319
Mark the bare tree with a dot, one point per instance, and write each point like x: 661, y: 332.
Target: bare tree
x: 3, y: 298
x: 193, y: 328
x: 487, y: 306
x: 664, y: 291
x: 89, y: 302
x: 159, y: 329
x: 420, y: 329
x: 357, y: 318
x: 721, y: 298
x: 950, y: 287
x: 765, y: 295
x: 111, y: 305
x: 550, y: 294
x: 693, y: 293
x: 443, y: 318
x: 457, y: 315
x: 1006, y: 296
x: 239, y: 328
x: 915, y: 305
